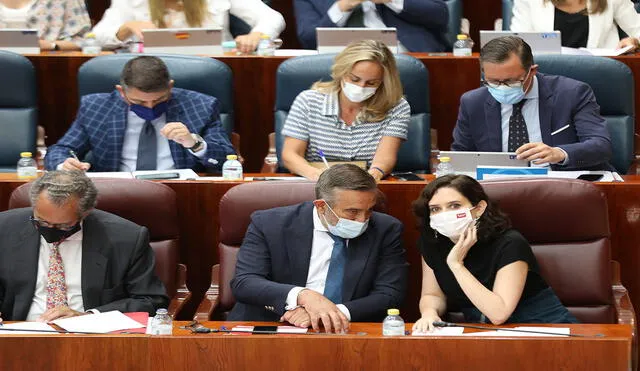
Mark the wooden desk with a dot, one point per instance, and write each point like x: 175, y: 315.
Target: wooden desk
x: 370, y: 351
x: 199, y: 221
x: 254, y: 80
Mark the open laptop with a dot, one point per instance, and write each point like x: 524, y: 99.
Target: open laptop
x: 21, y: 41
x: 200, y: 41
x: 467, y: 162
x: 335, y: 39
x: 540, y: 42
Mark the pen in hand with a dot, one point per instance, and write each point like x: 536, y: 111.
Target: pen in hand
x: 323, y: 158
x: 72, y: 153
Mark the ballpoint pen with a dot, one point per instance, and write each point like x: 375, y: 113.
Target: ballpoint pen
x: 323, y: 158
x: 72, y: 153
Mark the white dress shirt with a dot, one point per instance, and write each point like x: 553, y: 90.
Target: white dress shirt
x: 531, y: 114
x: 321, y: 248
x: 371, y: 17
x: 16, y: 18
x: 71, y: 253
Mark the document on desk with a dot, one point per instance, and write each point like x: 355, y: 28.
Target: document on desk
x: 600, y: 52
x: 31, y: 326
x: 441, y: 331
x: 100, y: 322
x: 607, y: 176
x: 554, y: 331
x: 182, y: 174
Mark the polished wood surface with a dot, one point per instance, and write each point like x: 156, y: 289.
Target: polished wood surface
x: 364, y: 348
x: 254, y: 80
x: 199, y: 221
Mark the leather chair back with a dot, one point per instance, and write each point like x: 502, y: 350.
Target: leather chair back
x: 149, y: 204
x: 202, y: 74
x: 18, y: 109
x: 455, y: 17
x: 566, y: 222
x: 613, y: 85
x: 298, y: 74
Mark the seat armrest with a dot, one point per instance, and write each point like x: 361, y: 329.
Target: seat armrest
x: 211, y: 299
x: 183, y: 295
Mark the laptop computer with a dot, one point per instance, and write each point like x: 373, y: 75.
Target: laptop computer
x: 21, y: 41
x: 540, y: 42
x: 335, y: 39
x: 467, y: 162
x: 194, y: 41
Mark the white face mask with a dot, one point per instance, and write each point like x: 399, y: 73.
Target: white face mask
x: 346, y: 228
x: 357, y: 93
x: 452, y: 223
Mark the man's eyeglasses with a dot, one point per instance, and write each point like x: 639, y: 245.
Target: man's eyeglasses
x: 507, y: 83
x: 41, y: 223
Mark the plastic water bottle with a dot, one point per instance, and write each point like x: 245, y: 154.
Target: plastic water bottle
x: 444, y: 167
x: 162, y: 323
x: 393, y: 324
x: 462, y: 47
x: 90, y: 45
x: 232, y: 168
x: 27, y: 167
x: 266, y: 47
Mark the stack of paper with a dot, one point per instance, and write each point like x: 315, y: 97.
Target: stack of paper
x: 32, y: 326
x: 99, y: 323
x: 441, y: 331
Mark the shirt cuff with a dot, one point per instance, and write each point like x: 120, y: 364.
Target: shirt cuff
x: 566, y: 157
x: 337, y: 16
x: 396, y: 5
x: 201, y: 152
x: 60, y: 165
x: 92, y: 311
x: 292, y: 297
x: 344, y: 311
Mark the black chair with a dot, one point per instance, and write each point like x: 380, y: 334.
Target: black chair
x: 18, y: 109
x: 298, y: 74
x: 455, y: 17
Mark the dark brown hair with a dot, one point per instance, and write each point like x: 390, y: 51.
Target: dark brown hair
x: 499, y: 50
x: 492, y: 222
x: 597, y: 6
x: 345, y: 177
x: 146, y: 73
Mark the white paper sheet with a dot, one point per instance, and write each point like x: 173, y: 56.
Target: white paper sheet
x: 441, y: 331
x: 40, y: 326
x: 184, y: 174
x: 100, y: 323
x: 499, y: 332
x: 601, y: 52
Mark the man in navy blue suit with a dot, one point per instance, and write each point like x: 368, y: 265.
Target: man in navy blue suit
x: 542, y: 118
x: 421, y: 24
x: 144, y: 124
x: 328, y: 262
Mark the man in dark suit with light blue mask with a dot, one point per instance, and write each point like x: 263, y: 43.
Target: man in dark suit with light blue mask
x: 544, y: 119
x: 328, y: 262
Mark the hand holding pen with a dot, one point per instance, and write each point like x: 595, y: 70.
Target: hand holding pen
x: 73, y: 163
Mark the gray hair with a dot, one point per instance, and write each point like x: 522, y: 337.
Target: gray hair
x: 62, y: 185
x: 500, y: 49
x: 146, y: 73
x: 344, y: 177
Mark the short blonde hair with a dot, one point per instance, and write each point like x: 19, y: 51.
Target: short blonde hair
x: 390, y: 90
x: 194, y: 10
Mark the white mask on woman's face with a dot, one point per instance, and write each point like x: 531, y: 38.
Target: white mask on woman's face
x: 452, y: 223
x: 357, y: 93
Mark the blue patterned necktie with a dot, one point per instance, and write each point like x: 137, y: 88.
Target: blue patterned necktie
x: 518, y: 134
x: 147, y: 148
x: 335, y: 275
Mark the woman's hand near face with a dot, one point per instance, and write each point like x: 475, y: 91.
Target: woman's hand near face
x: 459, y: 251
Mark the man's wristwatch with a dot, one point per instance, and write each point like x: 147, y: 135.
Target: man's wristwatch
x: 199, y: 143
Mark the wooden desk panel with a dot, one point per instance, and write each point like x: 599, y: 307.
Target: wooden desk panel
x: 254, y: 82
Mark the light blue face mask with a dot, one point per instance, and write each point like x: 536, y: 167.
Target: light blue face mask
x: 346, y: 228
x: 507, y: 95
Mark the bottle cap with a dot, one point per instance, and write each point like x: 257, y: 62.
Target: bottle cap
x: 265, y: 37
x: 162, y: 311
x: 89, y: 35
x: 462, y: 37
x: 393, y: 312
x: 445, y: 159
x: 25, y: 154
x: 232, y: 157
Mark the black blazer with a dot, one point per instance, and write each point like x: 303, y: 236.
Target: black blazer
x: 274, y: 258
x: 117, y: 265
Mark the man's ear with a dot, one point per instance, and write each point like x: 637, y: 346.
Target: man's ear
x: 121, y: 91
x: 319, y: 203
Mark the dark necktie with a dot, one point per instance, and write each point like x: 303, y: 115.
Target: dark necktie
x: 147, y: 148
x: 518, y: 134
x: 335, y: 275
x: 356, y: 19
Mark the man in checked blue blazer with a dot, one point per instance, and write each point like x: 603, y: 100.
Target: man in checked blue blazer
x: 544, y: 119
x: 421, y: 24
x: 144, y: 124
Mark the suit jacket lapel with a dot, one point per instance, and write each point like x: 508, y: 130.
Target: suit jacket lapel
x: 94, y: 262
x: 298, y: 238
x: 545, y: 109
x: 358, y: 252
x: 26, y: 250
x: 493, y: 119
x: 174, y: 114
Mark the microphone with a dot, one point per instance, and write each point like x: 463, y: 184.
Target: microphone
x: 449, y: 324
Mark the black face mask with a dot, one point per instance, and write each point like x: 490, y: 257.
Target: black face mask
x: 53, y: 235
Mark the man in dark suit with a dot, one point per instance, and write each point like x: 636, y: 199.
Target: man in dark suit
x: 145, y: 124
x: 60, y: 258
x: 329, y: 262
x: 545, y: 119
x: 421, y: 24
